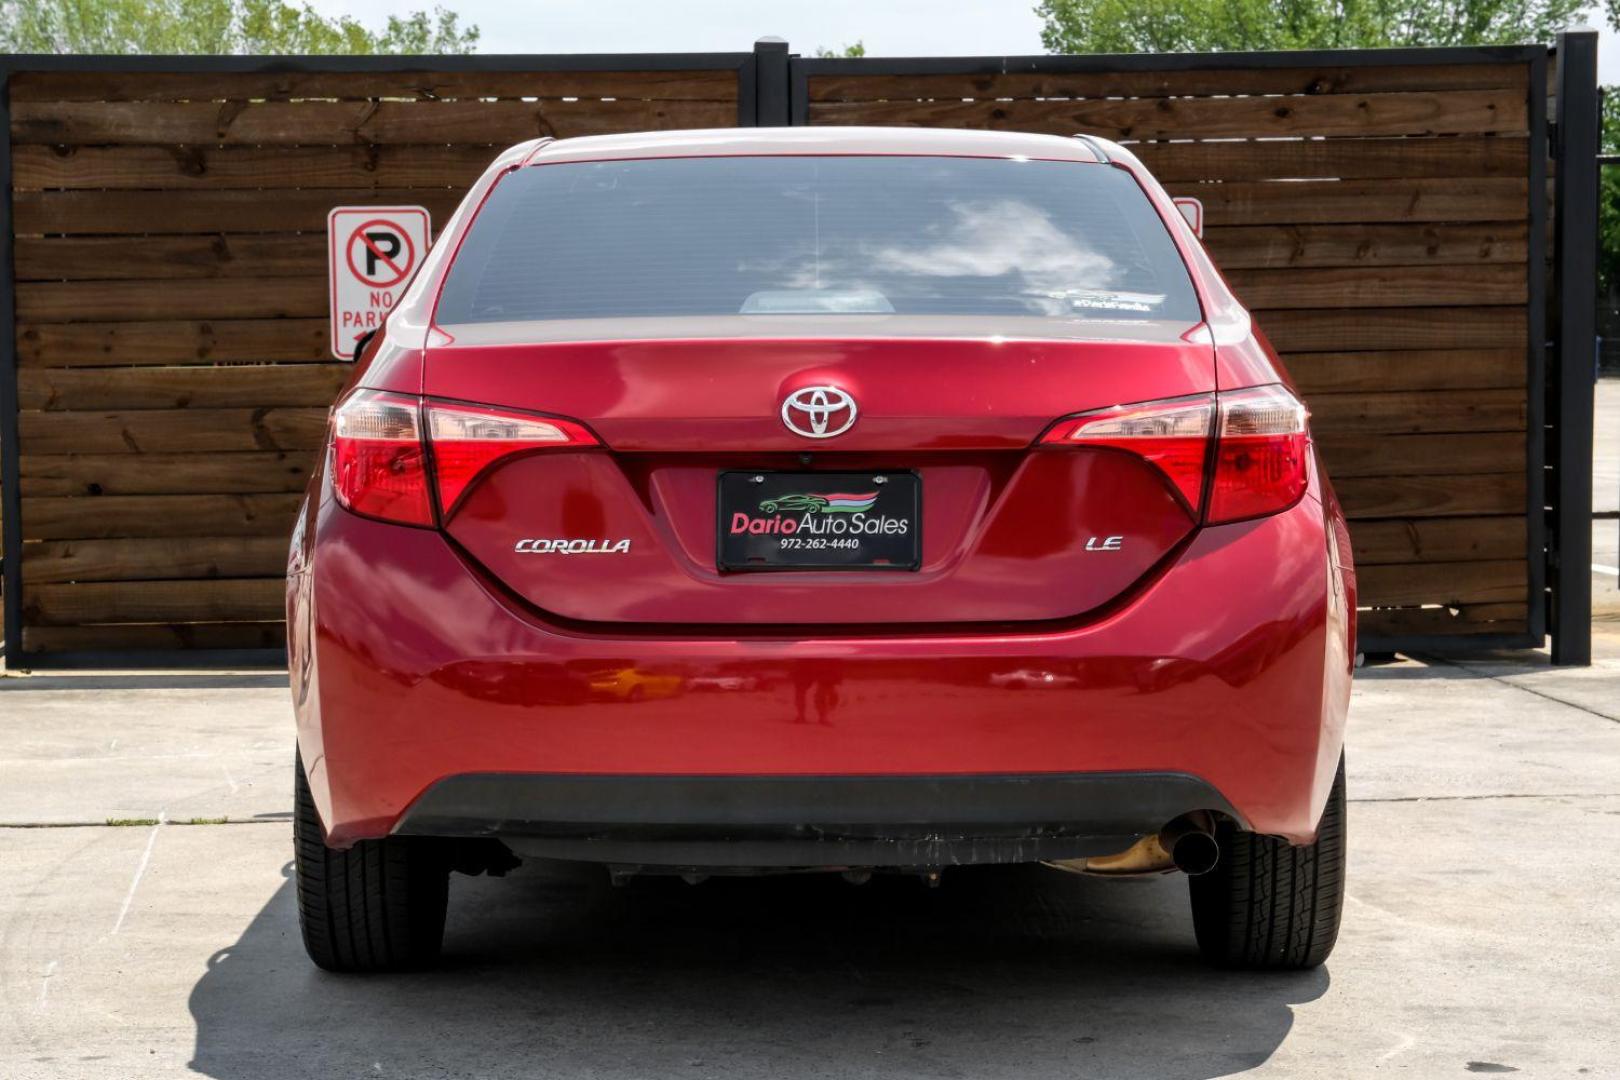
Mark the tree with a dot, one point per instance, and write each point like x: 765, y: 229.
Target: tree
x: 1609, y: 202
x: 1220, y: 25
x: 218, y: 27
x: 858, y: 50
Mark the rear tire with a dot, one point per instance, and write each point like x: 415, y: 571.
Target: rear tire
x: 1269, y: 905
x: 379, y: 906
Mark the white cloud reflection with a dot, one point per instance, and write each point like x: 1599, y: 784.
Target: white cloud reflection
x: 994, y: 237
x: 1011, y: 242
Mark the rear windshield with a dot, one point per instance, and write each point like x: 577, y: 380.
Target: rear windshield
x: 817, y: 235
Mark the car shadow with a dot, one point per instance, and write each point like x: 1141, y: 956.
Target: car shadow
x: 1019, y: 971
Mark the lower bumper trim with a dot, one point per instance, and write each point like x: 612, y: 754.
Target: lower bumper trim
x: 810, y: 820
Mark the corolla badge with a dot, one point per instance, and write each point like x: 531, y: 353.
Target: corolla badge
x: 818, y: 412
x: 543, y: 546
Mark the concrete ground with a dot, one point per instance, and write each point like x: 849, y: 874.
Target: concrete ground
x: 1480, y: 933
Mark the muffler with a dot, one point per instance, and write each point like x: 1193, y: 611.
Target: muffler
x: 1187, y: 844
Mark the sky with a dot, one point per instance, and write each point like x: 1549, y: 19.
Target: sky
x: 887, y: 27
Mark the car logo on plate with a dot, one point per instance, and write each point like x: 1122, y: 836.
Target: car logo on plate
x: 818, y: 412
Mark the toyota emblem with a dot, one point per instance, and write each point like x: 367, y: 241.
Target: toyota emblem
x: 818, y: 412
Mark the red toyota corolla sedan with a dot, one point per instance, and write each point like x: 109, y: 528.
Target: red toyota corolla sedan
x: 845, y: 499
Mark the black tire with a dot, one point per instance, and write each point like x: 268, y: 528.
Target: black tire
x: 1271, y: 906
x: 379, y: 906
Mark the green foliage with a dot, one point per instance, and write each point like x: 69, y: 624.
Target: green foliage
x: 857, y: 50
x: 218, y: 27
x: 1086, y: 26
x: 1609, y: 199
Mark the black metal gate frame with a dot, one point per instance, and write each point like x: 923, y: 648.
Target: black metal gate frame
x: 772, y: 90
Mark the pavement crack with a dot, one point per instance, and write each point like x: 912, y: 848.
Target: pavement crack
x: 104, y: 823
x: 1505, y: 681
x: 1498, y: 795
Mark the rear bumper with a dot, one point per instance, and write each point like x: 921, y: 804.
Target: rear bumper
x: 414, y: 680
x: 809, y: 820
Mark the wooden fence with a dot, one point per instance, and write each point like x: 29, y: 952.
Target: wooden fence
x: 1378, y: 219
x: 171, y: 303
x: 1384, y: 214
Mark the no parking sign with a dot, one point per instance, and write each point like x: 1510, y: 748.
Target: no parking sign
x: 372, y: 252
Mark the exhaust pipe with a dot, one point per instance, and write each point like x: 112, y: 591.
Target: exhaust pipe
x: 1191, y: 845
x: 1187, y: 844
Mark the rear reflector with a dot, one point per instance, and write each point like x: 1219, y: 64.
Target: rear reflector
x: 1258, y: 466
x: 467, y: 439
x: 1171, y: 434
x: 1260, y: 459
x: 379, y: 468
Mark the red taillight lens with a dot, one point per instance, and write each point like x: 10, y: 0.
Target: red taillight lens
x: 1260, y: 458
x: 379, y: 468
x: 467, y: 439
x: 380, y: 459
x: 1172, y: 434
x: 1261, y: 443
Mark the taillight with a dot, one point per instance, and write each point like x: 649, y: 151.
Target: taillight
x: 380, y: 463
x: 1258, y: 464
x: 1171, y: 434
x: 467, y: 439
x: 1260, y: 456
x: 379, y: 467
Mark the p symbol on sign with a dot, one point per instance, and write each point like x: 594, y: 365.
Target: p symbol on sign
x: 382, y: 246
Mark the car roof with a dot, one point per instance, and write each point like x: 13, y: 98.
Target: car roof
x: 738, y: 142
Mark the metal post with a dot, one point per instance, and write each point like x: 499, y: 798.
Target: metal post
x: 1575, y: 205
x: 10, y: 469
x: 771, y: 108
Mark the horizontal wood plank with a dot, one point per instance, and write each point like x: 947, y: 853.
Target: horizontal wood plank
x: 154, y: 601
x: 1243, y: 246
x: 1337, y: 201
x: 115, y: 516
x: 1238, y: 203
x: 1505, y: 618
x: 145, y: 258
x: 1438, y: 540
x: 1432, y: 496
x: 58, y: 561
x: 1387, y: 286
x: 200, y: 341
x: 1185, y: 80
x: 343, y: 123
x: 190, y: 167
x: 242, y: 472
x: 172, y: 430
x: 1235, y: 248
x: 1413, y: 412
x: 251, y: 386
x: 1418, y: 369
x: 148, y: 212
x: 1383, y: 329
x: 1461, y: 112
x: 203, y: 168
x: 121, y: 301
x: 674, y: 85
x: 1344, y: 159
x: 1496, y: 581
x: 142, y: 637
x: 1421, y: 455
